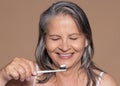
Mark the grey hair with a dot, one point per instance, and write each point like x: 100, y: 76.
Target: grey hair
x: 80, y: 18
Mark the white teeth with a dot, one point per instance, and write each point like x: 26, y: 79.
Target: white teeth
x: 65, y: 55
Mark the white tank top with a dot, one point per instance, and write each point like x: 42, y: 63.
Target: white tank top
x: 100, y: 78
x: 98, y: 82
x: 35, y: 78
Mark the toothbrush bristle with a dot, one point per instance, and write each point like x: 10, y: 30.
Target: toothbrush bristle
x: 62, y: 67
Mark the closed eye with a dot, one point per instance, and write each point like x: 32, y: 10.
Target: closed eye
x: 74, y: 38
x: 55, y: 39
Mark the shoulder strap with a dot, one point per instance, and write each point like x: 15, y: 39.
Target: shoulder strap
x: 35, y: 77
x: 100, y: 78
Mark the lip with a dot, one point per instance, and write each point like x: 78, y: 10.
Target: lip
x: 65, y: 55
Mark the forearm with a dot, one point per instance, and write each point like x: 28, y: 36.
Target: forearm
x: 3, y: 81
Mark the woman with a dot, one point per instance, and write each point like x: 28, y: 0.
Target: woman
x: 65, y: 37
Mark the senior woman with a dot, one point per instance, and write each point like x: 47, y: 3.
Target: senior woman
x: 65, y: 37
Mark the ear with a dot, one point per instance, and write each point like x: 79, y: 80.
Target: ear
x: 86, y: 43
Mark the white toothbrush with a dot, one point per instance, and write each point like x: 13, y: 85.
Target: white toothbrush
x: 62, y: 69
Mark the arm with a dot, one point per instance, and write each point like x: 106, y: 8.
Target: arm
x: 20, y: 69
x: 2, y: 78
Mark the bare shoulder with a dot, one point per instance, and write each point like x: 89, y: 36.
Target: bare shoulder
x: 108, y: 80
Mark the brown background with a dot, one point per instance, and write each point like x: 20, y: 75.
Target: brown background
x: 19, y: 30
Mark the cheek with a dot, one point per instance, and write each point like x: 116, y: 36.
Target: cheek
x: 50, y: 46
x: 79, y: 46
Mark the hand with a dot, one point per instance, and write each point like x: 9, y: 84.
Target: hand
x: 19, y: 69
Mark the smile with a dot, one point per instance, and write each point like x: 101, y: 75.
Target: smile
x: 65, y: 56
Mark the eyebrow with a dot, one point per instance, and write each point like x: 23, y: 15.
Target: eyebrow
x: 53, y: 35
x: 69, y: 35
x: 75, y: 34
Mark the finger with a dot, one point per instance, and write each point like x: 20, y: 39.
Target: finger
x: 14, y: 74
x: 21, y: 72
x: 21, y: 68
x: 27, y: 68
x: 33, y: 66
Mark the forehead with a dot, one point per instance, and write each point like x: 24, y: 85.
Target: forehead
x: 62, y: 23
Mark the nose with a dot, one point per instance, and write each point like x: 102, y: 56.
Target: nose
x: 64, y: 45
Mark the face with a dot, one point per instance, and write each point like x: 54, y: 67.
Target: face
x: 64, y: 42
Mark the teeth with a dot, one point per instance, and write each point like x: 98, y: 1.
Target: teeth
x: 65, y: 55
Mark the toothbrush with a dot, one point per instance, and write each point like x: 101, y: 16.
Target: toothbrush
x: 62, y: 69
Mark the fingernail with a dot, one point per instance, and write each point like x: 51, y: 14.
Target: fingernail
x: 34, y: 73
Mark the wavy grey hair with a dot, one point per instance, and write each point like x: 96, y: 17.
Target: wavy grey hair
x: 80, y: 18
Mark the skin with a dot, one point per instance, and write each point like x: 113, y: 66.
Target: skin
x: 65, y: 45
x: 20, y: 69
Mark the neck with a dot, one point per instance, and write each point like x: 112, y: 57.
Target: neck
x: 70, y: 77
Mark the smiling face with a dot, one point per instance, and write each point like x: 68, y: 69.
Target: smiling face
x: 64, y: 42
